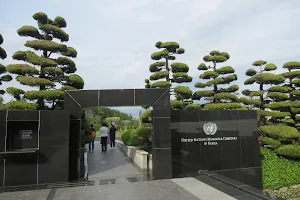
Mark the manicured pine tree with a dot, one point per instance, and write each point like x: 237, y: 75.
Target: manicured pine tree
x: 3, y: 77
x: 43, y: 71
x: 272, y: 107
x: 164, y: 73
x: 220, y: 97
x: 257, y: 99
x: 292, y: 89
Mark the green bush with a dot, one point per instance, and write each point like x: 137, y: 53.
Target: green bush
x: 139, y: 137
x: 280, y: 131
x: 292, y: 151
x: 271, y: 142
x: 222, y: 106
x: 278, y: 172
x: 193, y: 107
x: 126, y: 137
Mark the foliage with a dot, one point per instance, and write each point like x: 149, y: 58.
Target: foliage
x: 165, y: 73
x: 271, y: 142
x: 193, y: 107
x: 292, y: 151
x: 280, y: 131
x: 278, y: 171
x: 2, y: 106
x: 20, y: 105
x: 3, y: 77
x: 222, y: 106
x: 178, y: 105
x: 96, y: 115
x: 139, y: 137
x: 42, y: 71
x: 273, y: 113
x: 216, y: 77
x: 146, y: 117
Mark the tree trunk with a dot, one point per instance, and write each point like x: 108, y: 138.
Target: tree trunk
x: 261, y: 88
x: 167, y: 68
x: 41, y: 101
x: 291, y: 98
x: 215, y: 85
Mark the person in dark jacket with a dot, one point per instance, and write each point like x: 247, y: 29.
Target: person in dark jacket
x: 112, y: 135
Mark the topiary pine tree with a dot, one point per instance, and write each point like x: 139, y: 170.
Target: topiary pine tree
x: 42, y: 71
x: 6, y: 77
x: 292, y: 91
x: 166, y: 73
x: 258, y: 99
x: 221, y: 98
x: 272, y: 105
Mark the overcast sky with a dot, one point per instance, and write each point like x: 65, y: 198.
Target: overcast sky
x: 115, y: 38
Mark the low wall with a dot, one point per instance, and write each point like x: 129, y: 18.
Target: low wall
x: 139, y: 157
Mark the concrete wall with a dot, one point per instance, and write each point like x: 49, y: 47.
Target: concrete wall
x: 139, y: 157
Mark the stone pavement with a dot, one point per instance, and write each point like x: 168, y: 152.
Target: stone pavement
x: 112, y: 176
x: 176, y: 189
x: 110, y: 165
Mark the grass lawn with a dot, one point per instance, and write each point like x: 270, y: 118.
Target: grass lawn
x: 280, y: 175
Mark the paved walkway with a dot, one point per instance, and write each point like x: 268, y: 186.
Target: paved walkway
x: 110, y: 165
x: 176, y: 189
x: 114, y: 177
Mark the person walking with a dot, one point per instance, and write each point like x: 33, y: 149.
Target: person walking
x: 112, y: 135
x: 104, y: 131
x: 93, y: 136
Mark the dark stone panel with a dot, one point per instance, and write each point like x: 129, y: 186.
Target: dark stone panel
x: 20, y: 115
x: 74, y: 164
x: 162, y: 132
x: 2, y: 130
x: 22, y: 135
x: 162, y: 107
x: 211, y: 157
x: 162, y: 163
x: 72, y: 107
x: 74, y: 138
x: 234, y: 174
x: 54, y: 147
x: 85, y: 98
x: 1, y: 171
x: 81, y: 163
x: 247, y: 114
x: 21, y: 169
x: 148, y: 96
x: 194, y: 150
x: 116, y: 97
x: 250, y: 152
x: 185, y: 116
x: 252, y: 177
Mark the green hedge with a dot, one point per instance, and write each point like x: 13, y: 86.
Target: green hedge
x: 139, y: 137
x: 271, y: 142
x: 280, y: 131
x: 278, y: 172
x: 292, y: 151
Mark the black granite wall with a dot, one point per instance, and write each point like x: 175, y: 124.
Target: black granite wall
x: 232, y: 150
x: 34, y: 147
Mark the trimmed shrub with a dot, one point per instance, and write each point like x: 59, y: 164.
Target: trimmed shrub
x: 280, y: 131
x: 292, y: 151
x: 271, y: 142
x: 193, y: 107
x: 126, y: 138
x: 222, y: 106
